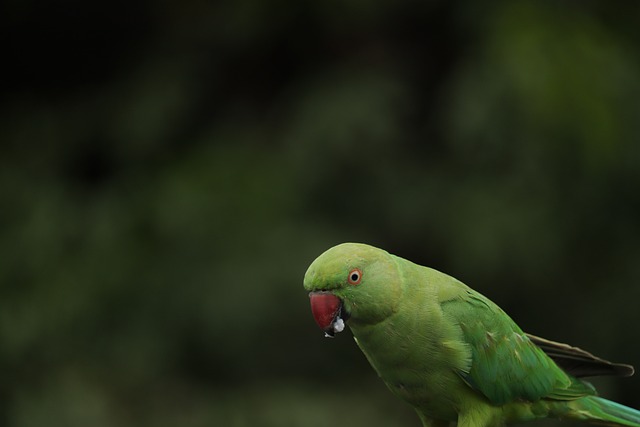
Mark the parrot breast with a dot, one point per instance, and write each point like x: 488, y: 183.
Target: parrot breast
x: 327, y: 312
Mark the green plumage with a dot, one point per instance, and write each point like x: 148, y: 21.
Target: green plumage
x: 453, y: 354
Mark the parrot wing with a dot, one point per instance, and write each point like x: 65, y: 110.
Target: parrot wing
x: 506, y: 365
x: 578, y: 362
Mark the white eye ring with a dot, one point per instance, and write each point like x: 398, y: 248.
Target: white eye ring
x: 355, y: 276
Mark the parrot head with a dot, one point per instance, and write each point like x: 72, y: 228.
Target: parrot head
x: 352, y: 282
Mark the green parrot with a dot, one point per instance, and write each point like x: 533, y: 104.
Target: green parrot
x: 450, y: 352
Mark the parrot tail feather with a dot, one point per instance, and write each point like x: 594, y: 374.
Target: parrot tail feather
x: 602, y: 411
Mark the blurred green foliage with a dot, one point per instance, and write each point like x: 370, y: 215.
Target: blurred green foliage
x: 169, y: 170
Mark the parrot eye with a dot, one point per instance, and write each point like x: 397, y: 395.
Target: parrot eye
x: 355, y: 276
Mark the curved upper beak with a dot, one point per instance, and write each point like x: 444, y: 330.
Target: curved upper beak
x: 327, y: 311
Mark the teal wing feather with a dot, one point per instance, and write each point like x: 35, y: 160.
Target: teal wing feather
x: 505, y: 365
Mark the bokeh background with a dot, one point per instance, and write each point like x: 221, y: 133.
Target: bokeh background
x: 170, y: 169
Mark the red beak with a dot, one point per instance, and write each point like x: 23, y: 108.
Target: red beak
x: 326, y: 308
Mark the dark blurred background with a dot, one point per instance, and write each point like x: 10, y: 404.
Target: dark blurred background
x: 170, y: 169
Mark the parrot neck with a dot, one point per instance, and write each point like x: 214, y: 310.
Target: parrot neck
x: 405, y: 370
